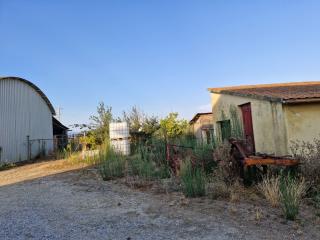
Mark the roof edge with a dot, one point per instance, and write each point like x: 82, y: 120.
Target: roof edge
x: 219, y: 89
x: 264, y: 98
x: 37, y: 89
x: 197, y: 115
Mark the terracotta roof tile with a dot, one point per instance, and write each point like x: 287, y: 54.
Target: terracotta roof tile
x: 285, y: 92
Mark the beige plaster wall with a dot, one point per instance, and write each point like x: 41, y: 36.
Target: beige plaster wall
x: 268, y: 121
x: 203, y: 121
x: 302, y: 121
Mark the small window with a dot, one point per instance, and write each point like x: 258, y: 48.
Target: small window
x: 225, y: 128
x: 207, y: 135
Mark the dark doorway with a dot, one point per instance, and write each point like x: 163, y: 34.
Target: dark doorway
x: 225, y: 127
x: 247, y: 125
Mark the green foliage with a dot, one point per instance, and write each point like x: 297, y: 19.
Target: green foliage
x: 88, y: 140
x: 171, y: 127
x: 101, y: 123
x: 193, y: 180
x: 236, y: 126
x: 134, y: 118
x: 291, y: 191
x: 142, y: 167
x: 6, y: 166
x: 150, y: 162
x: 112, y: 165
x: 150, y: 125
x: 204, y: 154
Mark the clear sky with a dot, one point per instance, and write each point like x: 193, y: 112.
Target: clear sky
x: 159, y: 55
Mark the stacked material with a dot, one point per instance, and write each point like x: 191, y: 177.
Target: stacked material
x: 119, y: 137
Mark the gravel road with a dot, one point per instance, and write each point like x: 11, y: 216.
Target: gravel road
x: 63, y: 204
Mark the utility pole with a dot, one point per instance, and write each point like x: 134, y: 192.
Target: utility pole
x: 59, y: 113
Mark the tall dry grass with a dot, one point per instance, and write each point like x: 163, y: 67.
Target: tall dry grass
x: 270, y: 189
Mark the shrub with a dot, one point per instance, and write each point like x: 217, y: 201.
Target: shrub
x: 309, y: 154
x: 204, y: 155
x: 216, y: 187
x: 270, y: 188
x: 112, y: 165
x: 147, y: 169
x: 228, y: 167
x: 193, y: 180
x: 150, y: 161
x: 291, y: 191
x: 142, y: 167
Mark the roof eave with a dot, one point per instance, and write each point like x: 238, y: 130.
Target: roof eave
x: 300, y: 100
x: 254, y: 96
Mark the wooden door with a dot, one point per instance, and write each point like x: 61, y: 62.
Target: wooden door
x: 247, y: 125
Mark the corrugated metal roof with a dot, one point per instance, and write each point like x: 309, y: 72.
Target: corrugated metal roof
x: 38, y: 90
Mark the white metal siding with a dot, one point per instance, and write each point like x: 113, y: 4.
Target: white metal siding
x: 23, y: 112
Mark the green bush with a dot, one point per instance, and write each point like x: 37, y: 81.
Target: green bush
x: 193, y: 180
x: 291, y: 192
x: 147, y: 169
x: 142, y: 167
x: 112, y: 165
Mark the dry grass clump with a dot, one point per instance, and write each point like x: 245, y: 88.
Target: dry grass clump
x: 270, y: 189
x: 236, y: 191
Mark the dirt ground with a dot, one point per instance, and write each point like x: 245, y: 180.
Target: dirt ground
x: 55, y: 200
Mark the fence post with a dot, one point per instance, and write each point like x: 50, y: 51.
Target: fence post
x: 28, y: 148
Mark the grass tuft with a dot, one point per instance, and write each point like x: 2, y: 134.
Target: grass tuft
x: 270, y: 188
x: 193, y: 180
x: 112, y: 165
x: 292, y: 191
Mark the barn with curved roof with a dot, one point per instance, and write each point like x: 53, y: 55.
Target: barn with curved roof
x: 25, y: 116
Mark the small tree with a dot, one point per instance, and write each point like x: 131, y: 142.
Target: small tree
x: 150, y: 125
x: 135, y: 118
x: 101, y: 122
x: 172, y: 127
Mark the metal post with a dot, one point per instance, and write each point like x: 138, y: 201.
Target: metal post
x: 28, y: 148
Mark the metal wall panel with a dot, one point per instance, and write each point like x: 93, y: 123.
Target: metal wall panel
x: 23, y: 112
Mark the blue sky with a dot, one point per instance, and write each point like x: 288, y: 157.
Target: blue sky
x: 158, y: 55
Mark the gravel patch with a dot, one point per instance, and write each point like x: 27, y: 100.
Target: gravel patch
x: 77, y: 205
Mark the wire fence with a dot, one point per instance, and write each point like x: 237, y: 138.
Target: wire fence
x: 51, y: 148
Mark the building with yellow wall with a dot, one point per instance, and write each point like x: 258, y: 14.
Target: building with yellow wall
x: 269, y: 116
x: 202, y: 127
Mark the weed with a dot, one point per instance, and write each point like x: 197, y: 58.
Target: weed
x: 236, y: 190
x: 309, y: 154
x: 112, y: 165
x: 270, y: 188
x: 292, y: 191
x: 6, y: 166
x: 217, y: 188
x: 193, y: 180
x: 258, y: 214
x: 228, y: 167
x: 147, y: 169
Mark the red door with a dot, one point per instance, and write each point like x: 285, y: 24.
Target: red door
x: 247, y: 125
